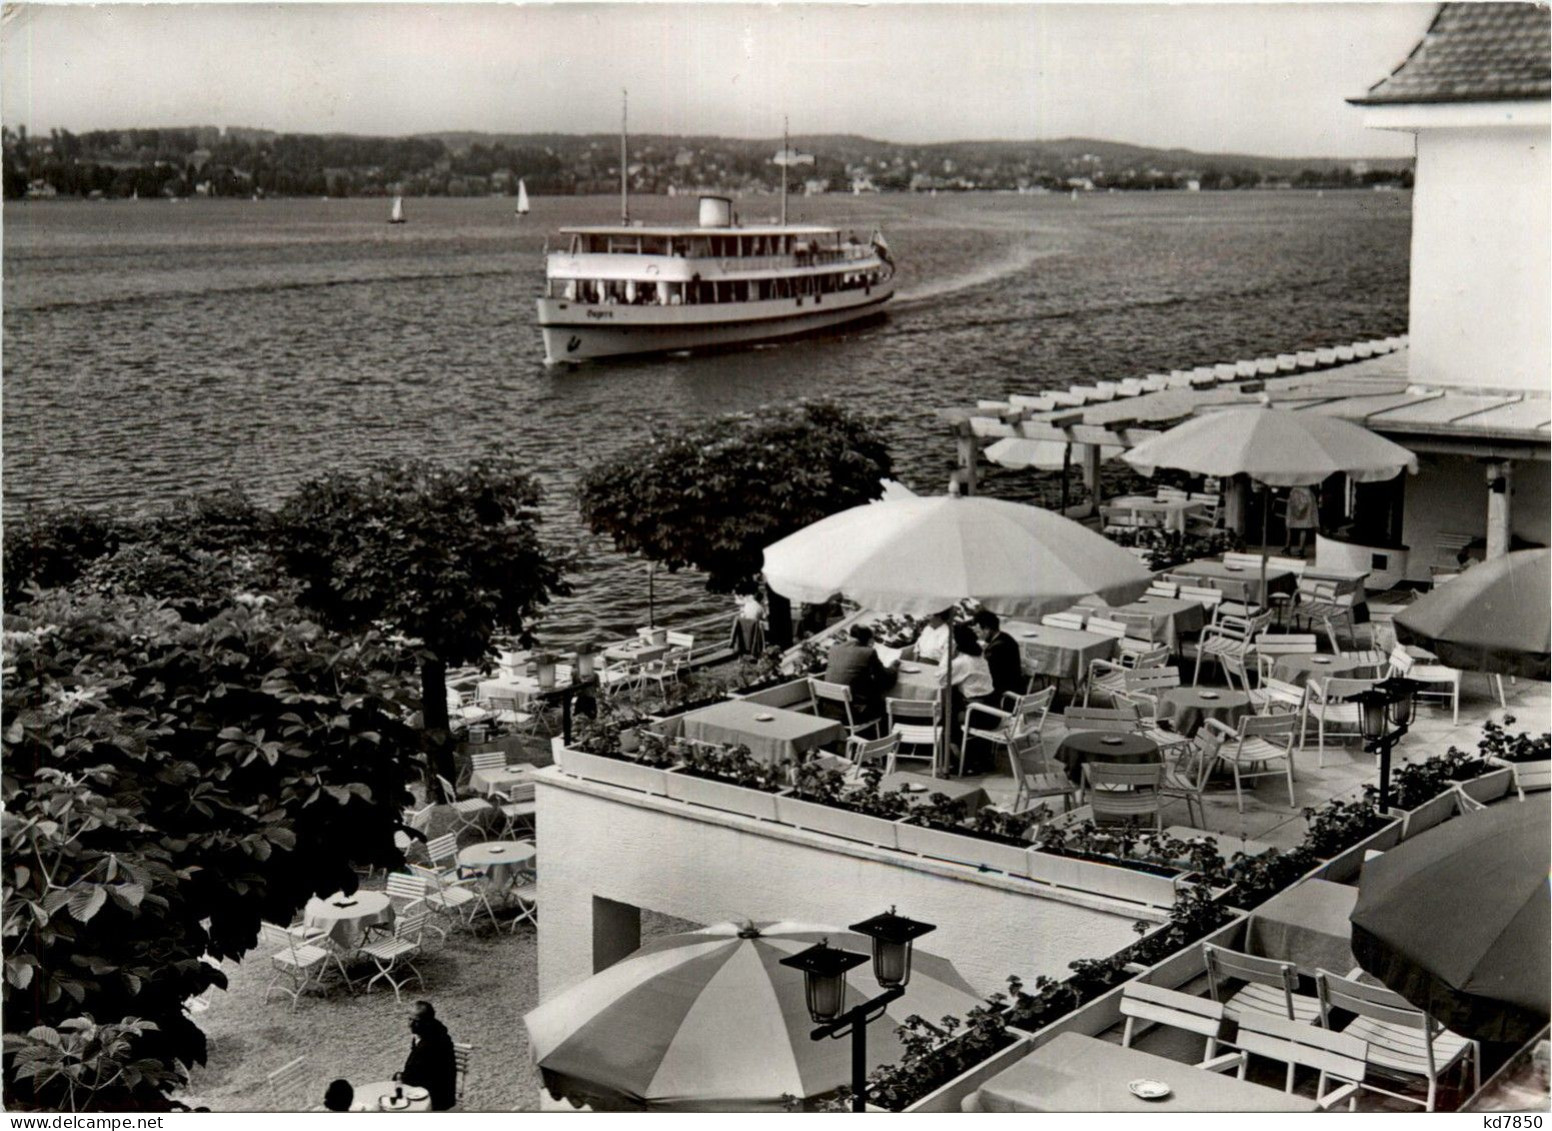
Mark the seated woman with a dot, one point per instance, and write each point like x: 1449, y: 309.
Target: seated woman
x: 933, y: 640
x: 971, y: 682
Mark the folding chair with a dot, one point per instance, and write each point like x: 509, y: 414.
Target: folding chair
x: 1437, y: 675
x: 302, y: 964
x: 1109, y: 676
x: 1273, y: 646
x: 1155, y: 1005
x: 1326, y: 704
x: 285, y: 1086
x: 1187, y: 769
x: 400, y: 949
x: 1116, y: 720
x: 1403, y: 1042
x: 526, y: 893
x: 673, y: 663
x: 1022, y: 721
x: 865, y: 752
x: 469, y: 812
x: 518, y: 809
x: 1036, y: 777
x: 450, y: 878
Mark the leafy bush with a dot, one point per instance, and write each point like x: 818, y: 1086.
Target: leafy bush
x: 1165, y: 549
x: 1413, y: 783
x: 934, y: 1054
x: 1498, y: 743
x: 734, y: 764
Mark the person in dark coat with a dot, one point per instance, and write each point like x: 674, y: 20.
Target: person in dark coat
x: 855, y: 664
x: 1002, y: 657
x: 431, y: 1064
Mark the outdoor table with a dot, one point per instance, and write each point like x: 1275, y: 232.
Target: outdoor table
x: 490, y: 782
x: 1171, y: 616
x: 369, y: 1097
x: 1102, y: 746
x: 781, y: 736
x: 1173, y: 513
x: 1062, y: 653
x: 1185, y: 709
x: 498, y: 859
x: 1308, y: 926
x: 916, y: 681
x: 1299, y: 669
x: 637, y: 651
x: 1074, y: 1072
x: 525, y: 689
x: 346, y: 918
x: 972, y: 795
x: 1208, y: 570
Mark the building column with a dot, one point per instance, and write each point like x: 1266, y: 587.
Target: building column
x: 969, y: 453
x: 1500, y: 508
x: 1091, y: 454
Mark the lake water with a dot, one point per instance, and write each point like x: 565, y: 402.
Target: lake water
x: 153, y: 348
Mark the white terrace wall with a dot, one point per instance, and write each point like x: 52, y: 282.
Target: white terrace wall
x: 1449, y: 495
x: 606, y: 851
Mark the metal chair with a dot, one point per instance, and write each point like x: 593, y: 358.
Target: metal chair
x: 1327, y: 705
x: 1109, y: 676
x: 1273, y: 646
x: 1187, y: 769
x: 1259, y: 741
x: 518, y: 809
x: 526, y: 893
x: 1125, y: 791
x: 914, y: 732
x: 1334, y: 1055
x: 1022, y: 721
x: 1155, y: 1005
x: 863, y: 752
x: 462, y: 1053
x: 1402, y: 1040
x: 1402, y: 664
x: 1036, y: 777
x: 1116, y: 720
x: 469, y: 812
x: 822, y: 691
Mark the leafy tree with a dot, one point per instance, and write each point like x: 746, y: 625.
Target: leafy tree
x: 714, y: 496
x: 447, y: 558
x: 167, y: 785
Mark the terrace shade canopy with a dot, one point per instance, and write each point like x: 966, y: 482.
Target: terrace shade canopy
x: 711, y: 1021
x: 1482, y: 878
x: 921, y: 555
x: 1492, y: 618
x: 1018, y: 452
x: 1277, y: 447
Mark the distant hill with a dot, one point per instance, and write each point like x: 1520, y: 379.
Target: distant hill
x: 209, y: 160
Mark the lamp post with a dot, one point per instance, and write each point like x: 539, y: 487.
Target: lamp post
x: 1387, y: 704
x: 824, y: 970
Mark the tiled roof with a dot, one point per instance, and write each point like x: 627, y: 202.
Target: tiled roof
x: 1474, y: 52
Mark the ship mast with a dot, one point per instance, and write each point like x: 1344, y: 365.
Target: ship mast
x: 624, y: 175
x: 786, y: 150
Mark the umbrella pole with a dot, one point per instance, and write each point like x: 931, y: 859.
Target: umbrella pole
x: 651, y: 570
x: 1266, y: 518
x: 948, y: 707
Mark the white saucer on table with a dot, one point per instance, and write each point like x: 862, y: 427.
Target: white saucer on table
x: 1148, y: 1089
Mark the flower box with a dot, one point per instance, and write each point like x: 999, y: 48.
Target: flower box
x: 1528, y: 776
x: 949, y: 1095
x: 611, y: 771
x: 1429, y: 814
x: 1347, y: 863
x: 1489, y: 787
x: 844, y: 823
x: 1114, y: 880
x: 788, y: 693
x: 961, y: 848
x: 723, y: 795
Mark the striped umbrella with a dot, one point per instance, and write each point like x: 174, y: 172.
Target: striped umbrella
x: 711, y: 1021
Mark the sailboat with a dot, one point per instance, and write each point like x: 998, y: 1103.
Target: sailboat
x: 396, y: 215
x: 522, y: 198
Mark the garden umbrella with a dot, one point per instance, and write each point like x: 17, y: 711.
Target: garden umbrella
x: 711, y: 1021
x: 1455, y: 920
x: 1492, y: 618
x: 920, y: 555
x: 1277, y: 447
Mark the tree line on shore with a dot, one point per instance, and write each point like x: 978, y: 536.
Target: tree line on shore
x: 240, y: 162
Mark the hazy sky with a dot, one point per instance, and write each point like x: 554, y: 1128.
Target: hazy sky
x: 1256, y: 78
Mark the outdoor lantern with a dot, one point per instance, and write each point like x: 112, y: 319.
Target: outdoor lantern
x: 824, y: 979
x: 1402, y: 692
x: 893, y: 936
x: 584, y: 664
x: 1371, y: 711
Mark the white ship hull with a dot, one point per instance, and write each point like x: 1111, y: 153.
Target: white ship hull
x: 579, y: 331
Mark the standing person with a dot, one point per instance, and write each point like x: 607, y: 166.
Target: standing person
x: 432, y: 1064
x: 856, y: 665
x: 970, y: 681
x: 749, y: 624
x: 1003, y: 658
x: 932, y: 643
x: 1303, y: 516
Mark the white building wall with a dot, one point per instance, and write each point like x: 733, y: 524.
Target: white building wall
x: 710, y: 872
x: 1480, y: 257
x: 1449, y: 495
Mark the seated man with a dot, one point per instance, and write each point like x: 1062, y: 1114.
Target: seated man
x: 1002, y: 655
x: 854, y: 664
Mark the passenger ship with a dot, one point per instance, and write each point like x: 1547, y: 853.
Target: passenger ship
x: 648, y: 289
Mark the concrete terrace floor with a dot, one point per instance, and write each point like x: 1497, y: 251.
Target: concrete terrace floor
x: 1269, y: 819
